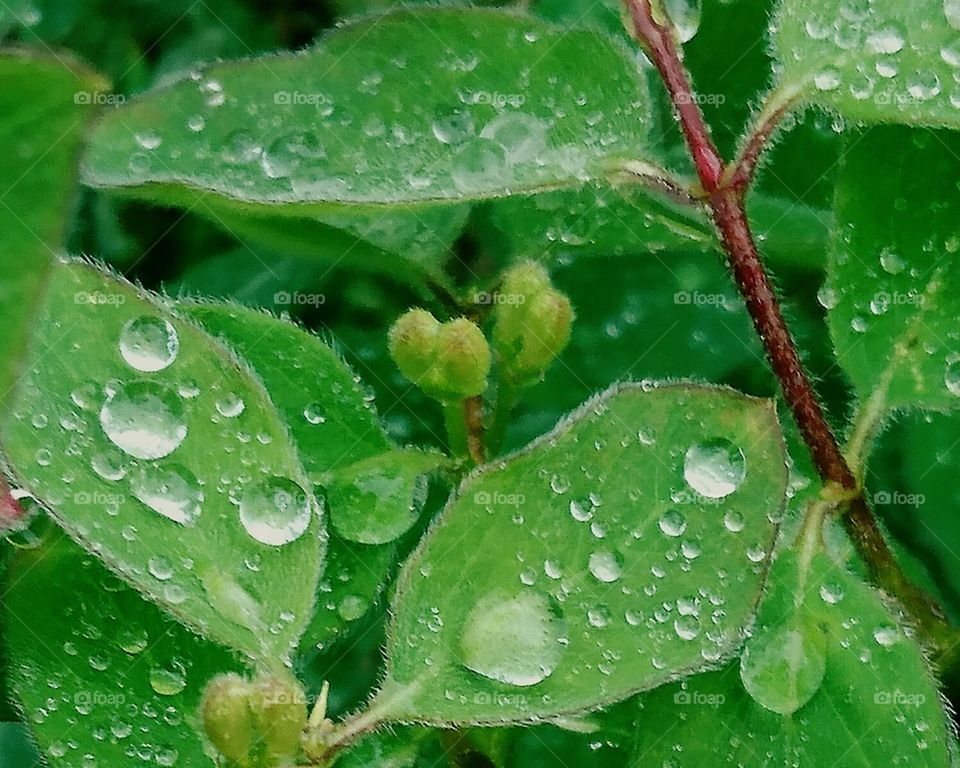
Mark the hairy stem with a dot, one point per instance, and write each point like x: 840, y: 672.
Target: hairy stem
x: 725, y: 188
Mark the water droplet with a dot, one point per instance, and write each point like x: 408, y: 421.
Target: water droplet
x: 783, y: 667
x: 275, y: 511
x: 924, y: 85
x: 886, y: 635
x: 169, y: 490
x: 133, y: 640
x: 285, y: 155
x: 887, y: 39
x: 160, y: 568
x: 148, y: 139
x: 891, y: 261
x: 230, y: 406
x: 951, y: 9
x: 687, y: 627
x: 685, y: 15
x: 673, y: 523
x: 479, y: 164
x: 827, y: 80
x: 314, y: 414
x: 831, y: 593
x: 149, y: 343
x: 952, y: 377
x: 168, y: 681
x: 714, y: 468
x: 733, y: 521
x: 523, y: 138
x: 827, y: 297
x: 144, y: 419
x: 240, y: 148
x: 514, y: 639
x: 453, y: 128
x: 606, y: 566
x: 196, y: 123
x: 351, y: 607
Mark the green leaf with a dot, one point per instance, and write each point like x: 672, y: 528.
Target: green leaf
x: 43, y: 112
x: 895, y: 276
x: 374, y: 492
x: 878, y: 703
x: 499, y: 104
x: 161, y: 452
x: 593, y: 564
x: 16, y: 747
x: 104, y: 677
x: 873, y: 60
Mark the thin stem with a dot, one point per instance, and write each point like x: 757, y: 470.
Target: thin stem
x: 661, y: 42
x: 456, y: 428
x: 740, y: 173
x: 660, y: 180
x: 725, y: 187
x: 473, y: 423
x: 507, y: 397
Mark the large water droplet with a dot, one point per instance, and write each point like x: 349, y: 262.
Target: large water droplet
x: 170, y: 490
x: 951, y: 9
x: 685, y: 15
x: 782, y: 668
x: 606, y: 566
x: 480, y: 163
x: 672, y: 523
x: 523, y: 138
x: 149, y: 343
x: 144, y: 419
x: 286, y: 154
x: 168, y: 681
x: 714, y: 468
x: 275, y: 511
x: 514, y: 639
x: 951, y: 378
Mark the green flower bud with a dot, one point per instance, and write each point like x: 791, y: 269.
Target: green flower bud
x: 449, y: 361
x: 279, y: 707
x: 227, y: 718
x: 463, y: 360
x: 532, y: 323
x: 413, y: 344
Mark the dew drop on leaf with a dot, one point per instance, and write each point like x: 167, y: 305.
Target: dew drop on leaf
x: 715, y: 468
x: 168, y: 681
x: 783, y: 667
x: 672, y: 523
x: 479, y: 164
x: 230, y: 406
x: 149, y: 343
x: 514, y: 639
x: 275, y: 511
x: 952, y: 377
x: 144, y: 419
x: 605, y: 566
x: 169, y: 490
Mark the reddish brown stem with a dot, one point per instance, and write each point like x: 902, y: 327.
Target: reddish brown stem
x: 11, y: 513
x: 473, y: 420
x: 725, y: 188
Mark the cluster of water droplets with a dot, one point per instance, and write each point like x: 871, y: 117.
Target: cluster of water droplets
x: 875, y: 58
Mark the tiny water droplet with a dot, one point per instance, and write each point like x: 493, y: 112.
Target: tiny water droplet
x: 606, y: 566
x: 149, y: 343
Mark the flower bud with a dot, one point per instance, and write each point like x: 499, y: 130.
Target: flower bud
x: 532, y: 327
x: 227, y: 718
x: 449, y: 361
x: 279, y: 707
x: 413, y: 344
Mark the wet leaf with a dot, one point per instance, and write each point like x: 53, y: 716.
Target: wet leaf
x: 104, y: 678
x: 500, y: 104
x: 873, y: 60
x: 160, y: 452
x: 878, y: 703
x: 894, y: 278
x: 44, y: 108
x: 623, y: 549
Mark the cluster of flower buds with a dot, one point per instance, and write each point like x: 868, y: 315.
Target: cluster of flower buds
x: 255, y: 723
